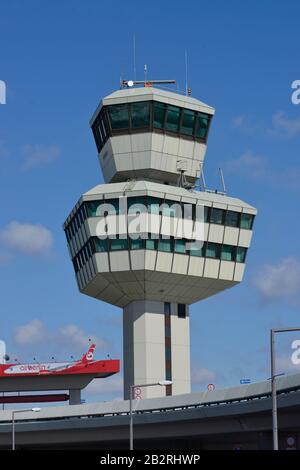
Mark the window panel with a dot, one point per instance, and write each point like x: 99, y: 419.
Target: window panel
x: 212, y: 250
x: 188, y: 122
x: 92, y: 208
x: 173, y: 118
x: 206, y: 214
x: 197, y: 248
x: 171, y: 208
x: 111, y: 206
x: 216, y: 216
x: 202, y: 126
x: 137, y: 244
x: 153, y: 205
x: 96, y: 136
x: 165, y: 245
x: 228, y: 253
x: 246, y: 221
x: 136, y: 205
x: 241, y: 254
x: 119, y: 244
x: 140, y: 114
x: 101, y: 246
x: 180, y: 246
x: 119, y: 116
x: 159, y: 110
x: 232, y: 219
x: 151, y: 244
x: 181, y: 311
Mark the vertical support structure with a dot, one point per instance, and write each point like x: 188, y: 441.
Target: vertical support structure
x: 156, y: 347
x: 274, y: 393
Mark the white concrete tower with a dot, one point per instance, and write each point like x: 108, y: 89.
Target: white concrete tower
x: 147, y: 241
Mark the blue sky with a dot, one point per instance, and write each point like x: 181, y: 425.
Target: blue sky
x: 58, y: 59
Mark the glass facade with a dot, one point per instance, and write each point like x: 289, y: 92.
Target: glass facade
x: 247, y: 221
x: 139, y: 204
x: 149, y: 116
x: 216, y: 216
x: 228, y: 253
x: 136, y: 205
x: 180, y: 246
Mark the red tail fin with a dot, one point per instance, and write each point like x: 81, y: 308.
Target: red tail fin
x: 89, y: 356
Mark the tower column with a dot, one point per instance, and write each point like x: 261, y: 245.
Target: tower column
x: 156, y: 347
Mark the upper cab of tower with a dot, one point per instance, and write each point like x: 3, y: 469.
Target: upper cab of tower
x: 147, y: 133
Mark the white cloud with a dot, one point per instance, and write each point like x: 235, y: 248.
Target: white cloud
x: 69, y: 339
x: 77, y: 338
x: 203, y: 376
x: 32, y: 332
x: 279, y: 281
x: 33, y: 239
x: 253, y: 166
x: 238, y: 121
x: 284, y: 127
x: 39, y: 155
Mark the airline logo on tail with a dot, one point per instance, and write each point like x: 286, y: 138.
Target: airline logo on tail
x: 89, y: 356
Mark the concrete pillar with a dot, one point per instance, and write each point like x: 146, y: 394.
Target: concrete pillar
x: 75, y: 397
x: 153, y: 351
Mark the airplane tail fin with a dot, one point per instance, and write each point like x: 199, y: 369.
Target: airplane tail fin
x: 89, y: 356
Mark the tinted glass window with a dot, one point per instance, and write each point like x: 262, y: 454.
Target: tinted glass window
x: 159, y: 115
x: 188, y: 122
x: 232, y: 219
x: 206, y: 213
x: 140, y: 114
x: 171, y: 208
x: 212, y: 250
x: 165, y: 245
x: 180, y: 246
x: 197, y: 249
x: 241, y: 254
x: 201, y: 126
x: 137, y: 244
x: 119, y: 118
x: 181, y: 312
x: 111, y: 206
x: 228, y: 253
x: 216, y: 216
x: 246, y: 221
x: 153, y: 205
x: 150, y: 244
x: 100, y: 245
x: 119, y: 244
x: 92, y: 208
x: 173, y: 118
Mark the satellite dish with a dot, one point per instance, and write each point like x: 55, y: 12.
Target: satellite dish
x: 130, y: 83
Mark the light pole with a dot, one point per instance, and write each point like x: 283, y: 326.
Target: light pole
x: 162, y: 383
x: 273, y: 331
x: 13, y: 423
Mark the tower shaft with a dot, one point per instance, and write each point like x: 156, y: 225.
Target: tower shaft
x: 156, y: 347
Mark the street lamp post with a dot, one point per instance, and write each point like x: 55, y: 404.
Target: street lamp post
x: 162, y: 383
x: 273, y: 381
x: 13, y: 423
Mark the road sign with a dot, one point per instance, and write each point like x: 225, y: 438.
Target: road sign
x: 210, y: 387
x: 245, y: 381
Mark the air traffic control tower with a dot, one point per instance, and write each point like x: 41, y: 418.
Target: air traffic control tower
x: 149, y: 242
